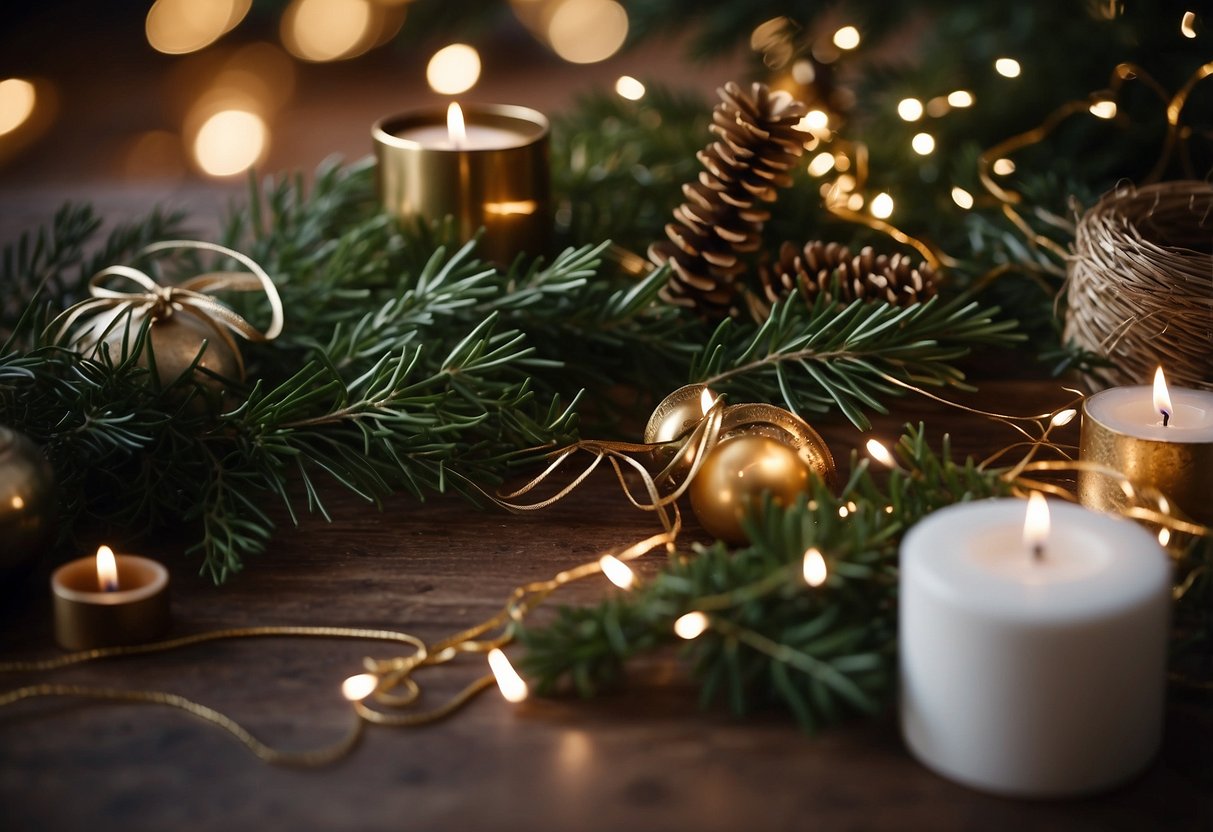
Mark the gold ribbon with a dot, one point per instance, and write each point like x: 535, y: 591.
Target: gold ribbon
x: 191, y: 296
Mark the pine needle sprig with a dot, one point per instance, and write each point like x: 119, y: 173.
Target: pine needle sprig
x: 821, y: 653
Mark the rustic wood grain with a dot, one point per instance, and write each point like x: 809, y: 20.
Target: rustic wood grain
x: 647, y: 758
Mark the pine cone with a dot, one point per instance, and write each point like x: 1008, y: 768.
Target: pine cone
x: 757, y: 143
x: 813, y: 270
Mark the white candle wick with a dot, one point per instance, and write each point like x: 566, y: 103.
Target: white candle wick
x: 455, y: 126
x: 1036, y: 525
x: 1162, y: 397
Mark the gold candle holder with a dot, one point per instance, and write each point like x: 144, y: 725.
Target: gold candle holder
x: 495, y: 177
x: 88, y: 616
x: 1122, y: 432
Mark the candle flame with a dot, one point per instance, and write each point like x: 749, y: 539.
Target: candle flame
x: 617, y: 572
x: 1036, y: 524
x: 814, y: 567
x: 357, y: 688
x: 107, y: 569
x: 706, y: 400
x: 511, y: 685
x: 1162, y: 397
x: 691, y: 625
x: 455, y: 126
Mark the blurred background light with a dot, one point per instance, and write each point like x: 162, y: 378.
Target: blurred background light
x: 587, y: 31
x: 453, y: 69
x: 18, y: 98
x: 328, y: 30
x: 230, y: 142
x: 179, y: 26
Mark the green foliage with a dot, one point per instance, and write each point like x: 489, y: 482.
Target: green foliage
x: 822, y: 653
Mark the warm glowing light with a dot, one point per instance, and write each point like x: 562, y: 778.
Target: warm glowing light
x: 1103, y: 109
x: 456, y: 129
x: 511, y: 685
x: 17, y: 99
x: 1164, y: 537
x: 816, y: 120
x: 1036, y: 524
x: 1004, y: 167
x: 453, y: 69
x: 587, y: 31
x: 814, y: 568
x: 960, y: 98
x: 847, y: 37
x: 327, y: 30
x: 962, y: 197
x: 176, y: 27
x: 844, y: 512
x: 230, y: 142
x: 691, y: 625
x: 1162, y: 397
x: 511, y: 208
x: 882, y: 206
x: 629, y: 88
x: 910, y: 109
x: 803, y: 72
x: 617, y: 572
x: 18, y: 502
x: 1187, y: 28
x: 357, y: 688
x: 107, y: 569
x: 880, y: 453
x: 1063, y: 417
x: 855, y: 202
x: 822, y: 164
x: 923, y: 144
x: 1007, y: 67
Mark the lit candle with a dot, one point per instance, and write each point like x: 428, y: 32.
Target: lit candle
x: 485, y: 166
x: 109, y: 600
x: 1157, y: 437
x: 1033, y: 654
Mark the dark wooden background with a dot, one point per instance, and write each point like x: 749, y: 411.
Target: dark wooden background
x: 646, y: 758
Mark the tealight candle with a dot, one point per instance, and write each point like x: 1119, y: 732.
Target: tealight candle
x: 1033, y: 660
x: 1156, y: 437
x: 109, y: 600
x: 485, y: 167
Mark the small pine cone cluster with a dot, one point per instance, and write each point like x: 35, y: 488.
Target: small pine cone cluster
x: 829, y: 269
x: 756, y: 145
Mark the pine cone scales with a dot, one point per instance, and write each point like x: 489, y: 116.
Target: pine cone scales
x: 811, y: 272
x: 756, y: 145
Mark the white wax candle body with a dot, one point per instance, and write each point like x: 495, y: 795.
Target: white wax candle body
x: 479, y: 137
x: 1032, y: 678
x: 1131, y: 410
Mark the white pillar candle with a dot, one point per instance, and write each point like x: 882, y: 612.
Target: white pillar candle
x: 1032, y: 676
x: 1133, y: 411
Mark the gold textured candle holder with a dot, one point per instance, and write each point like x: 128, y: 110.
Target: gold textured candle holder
x: 87, y: 617
x: 1181, y: 471
x: 504, y: 189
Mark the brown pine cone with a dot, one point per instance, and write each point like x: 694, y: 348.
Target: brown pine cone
x: 757, y: 143
x: 829, y: 269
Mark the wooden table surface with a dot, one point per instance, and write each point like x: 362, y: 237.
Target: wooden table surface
x: 645, y: 758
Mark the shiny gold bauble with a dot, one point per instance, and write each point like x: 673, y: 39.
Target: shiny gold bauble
x: 27, y: 503
x: 676, y: 415
x: 175, y: 341
x: 785, y: 427
x: 735, y: 475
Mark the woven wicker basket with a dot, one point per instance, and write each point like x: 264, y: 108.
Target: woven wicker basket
x: 1140, y: 284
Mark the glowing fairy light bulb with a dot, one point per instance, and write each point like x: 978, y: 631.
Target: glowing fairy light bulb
x: 847, y: 37
x: 617, y: 572
x: 511, y: 685
x: 881, y: 206
x: 629, y: 88
x: 357, y: 688
x: 691, y: 625
x: 814, y: 568
x: 960, y: 98
x: 910, y: 109
x: 878, y: 452
x: 817, y: 120
x: 1103, y: 108
x: 962, y: 197
x: 822, y: 164
x: 923, y: 144
x: 1187, y: 26
x: 1063, y: 417
x: 1004, y: 167
x: 1007, y: 67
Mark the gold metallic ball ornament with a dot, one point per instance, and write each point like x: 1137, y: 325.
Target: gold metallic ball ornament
x: 735, y: 475
x: 784, y: 427
x: 175, y: 342
x: 677, y: 414
x: 27, y: 503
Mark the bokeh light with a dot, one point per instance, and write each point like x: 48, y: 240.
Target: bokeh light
x: 328, y: 30
x: 1103, y: 109
x: 17, y: 101
x: 960, y: 98
x: 923, y: 144
x: 176, y: 27
x: 453, y: 69
x: 882, y: 206
x: 587, y: 31
x: 1003, y: 167
x: 821, y: 164
x: 910, y: 109
x: 847, y: 37
x: 230, y: 142
x: 1007, y: 67
x: 629, y: 88
x: 962, y: 198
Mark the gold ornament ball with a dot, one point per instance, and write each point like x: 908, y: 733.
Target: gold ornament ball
x: 27, y: 503
x: 734, y: 476
x: 175, y: 342
x: 676, y: 415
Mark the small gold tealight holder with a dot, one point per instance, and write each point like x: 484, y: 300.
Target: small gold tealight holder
x: 486, y: 166
x: 109, y: 600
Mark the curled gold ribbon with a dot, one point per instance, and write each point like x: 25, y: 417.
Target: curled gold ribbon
x: 191, y: 296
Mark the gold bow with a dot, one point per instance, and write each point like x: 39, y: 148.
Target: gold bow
x: 190, y: 296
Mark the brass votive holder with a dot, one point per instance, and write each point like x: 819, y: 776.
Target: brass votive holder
x: 496, y: 179
x: 88, y: 616
x: 1180, y: 471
